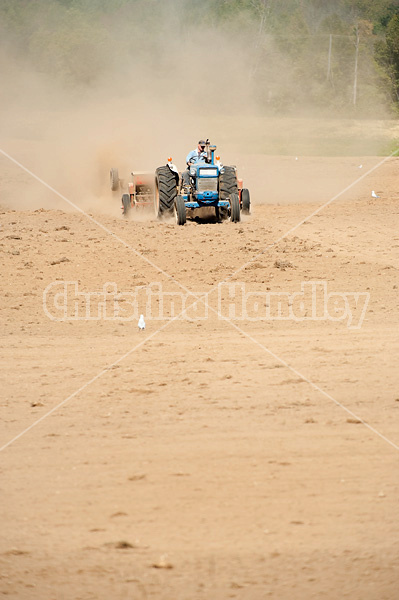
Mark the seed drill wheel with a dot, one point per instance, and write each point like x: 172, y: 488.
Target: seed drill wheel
x: 126, y: 204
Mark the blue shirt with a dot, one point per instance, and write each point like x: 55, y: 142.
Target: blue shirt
x: 195, y: 156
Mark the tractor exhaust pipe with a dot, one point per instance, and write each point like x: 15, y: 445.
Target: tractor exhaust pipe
x: 208, y: 151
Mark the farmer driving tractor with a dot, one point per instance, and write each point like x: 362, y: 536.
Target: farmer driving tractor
x: 197, y: 155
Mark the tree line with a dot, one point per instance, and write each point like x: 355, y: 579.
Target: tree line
x: 332, y: 55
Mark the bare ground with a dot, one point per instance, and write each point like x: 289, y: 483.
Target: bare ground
x: 202, y: 460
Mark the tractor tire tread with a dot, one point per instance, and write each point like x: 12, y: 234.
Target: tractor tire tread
x: 166, y: 184
x: 228, y: 183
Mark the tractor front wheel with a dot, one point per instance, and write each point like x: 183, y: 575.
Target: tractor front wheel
x: 180, y: 210
x: 235, y: 208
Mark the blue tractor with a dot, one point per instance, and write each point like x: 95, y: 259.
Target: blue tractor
x: 211, y: 185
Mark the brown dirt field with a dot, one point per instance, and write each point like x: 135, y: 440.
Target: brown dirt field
x: 200, y: 460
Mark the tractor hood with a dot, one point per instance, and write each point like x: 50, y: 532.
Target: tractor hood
x: 203, y: 169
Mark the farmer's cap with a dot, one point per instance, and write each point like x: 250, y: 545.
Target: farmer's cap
x: 202, y: 143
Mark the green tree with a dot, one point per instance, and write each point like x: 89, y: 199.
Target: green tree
x: 387, y: 55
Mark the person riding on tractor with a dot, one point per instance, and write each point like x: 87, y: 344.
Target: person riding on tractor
x: 197, y: 155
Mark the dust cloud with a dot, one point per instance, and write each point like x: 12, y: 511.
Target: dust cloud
x: 156, y: 99
x: 146, y: 85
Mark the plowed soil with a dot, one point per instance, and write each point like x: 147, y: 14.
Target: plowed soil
x: 210, y: 456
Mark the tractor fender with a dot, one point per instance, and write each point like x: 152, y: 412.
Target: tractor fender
x: 173, y: 168
x: 175, y: 171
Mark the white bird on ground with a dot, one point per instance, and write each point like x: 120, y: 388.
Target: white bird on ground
x: 374, y: 195
x: 360, y: 166
x: 141, y: 322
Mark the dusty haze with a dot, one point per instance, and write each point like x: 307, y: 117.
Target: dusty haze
x: 150, y: 89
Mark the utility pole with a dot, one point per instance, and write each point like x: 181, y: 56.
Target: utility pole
x: 356, y: 66
x: 329, y: 59
x: 264, y: 9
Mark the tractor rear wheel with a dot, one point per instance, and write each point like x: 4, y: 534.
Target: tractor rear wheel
x: 180, y: 210
x: 126, y: 204
x: 165, y: 191
x: 114, y: 179
x: 245, y: 201
x: 235, y: 208
x: 227, y: 185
